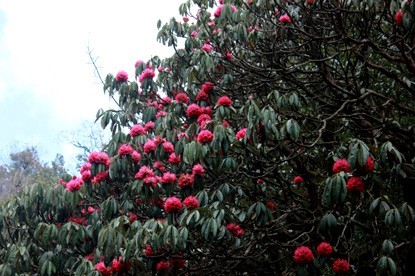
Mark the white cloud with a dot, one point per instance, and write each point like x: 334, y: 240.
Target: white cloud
x: 43, y: 47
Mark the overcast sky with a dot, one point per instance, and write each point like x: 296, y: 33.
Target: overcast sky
x: 47, y: 84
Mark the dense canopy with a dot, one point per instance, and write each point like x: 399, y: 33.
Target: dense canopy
x: 278, y: 139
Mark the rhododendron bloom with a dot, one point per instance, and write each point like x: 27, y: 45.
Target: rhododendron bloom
x: 159, y: 166
x: 203, y: 119
x: 370, y: 165
x: 98, y: 178
x: 86, y: 176
x: 132, y: 217
x: 161, y: 113
x: 74, y: 184
x: 149, y: 126
x: 149, y: 146
x: 207, y: 87
x: 399, y: 17
x: 119, y: 266
x: 229, y: 56
x: 121, y: 76
x: 168, y: 147
x: 207, y: 48
x: 137, y: 130
x: 298, y: 180
x: 205, y: 136
x: 224, y: 101
x: 355, y: 184
x: 186, y: 180
x: 182, y: 135
x: 77, y: 220
x: 303, y: 255
x: 168, y: 178
x: 241, y: 133
x: 198, y: 169
x: 193, y: 34
x: 173, y: 159
x: 341, y: 164
x: 125, y: 149
x: 162, y: 266
x: 182, y: 98
x: 172, y: 205
x: 99, y: 158
x: 324, y: 249
x: 166, y: 100
x: 138, y: 62
x: 144, y: 172
x: 206, y: 110
x: 271, y: 206
x: 91, y: 209
x: 202, y: 96
x: 150, y: 181
x: 148, y: 251
x: 193, y: 111
x: 89, y: 257
x: 310, y: 2
x: 136, y: 156
x: 147, y: 74
x: 185, y: 19
x: 285, y: 18
x: 341, y: 266
x: 101, y: 268
x: 191, y: 202
x: 235, y: 229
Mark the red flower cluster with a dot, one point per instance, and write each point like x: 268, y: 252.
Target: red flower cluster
x: 399, y: 17
x: 137, y: 130
x: 186, y: 180
x: 324, y: 249
x: 303, y: 255
x: 172, y: 205
x: 241, y: 133
x: 298, y: 180
x: 355, y: 183
x: 341, y: 164
x: 224, y: 101
x: 121, y: 76
x: 162, y: 266
x: 191, y: 202
x: 144, y: 172
x: 193, y: 111
x: 235, y: 229
x: 149, y: 146
x: 132, y: 217
x: 205, y: 136
x: 370, y: 165
x: 173, y: 159
x: 341, y: 266
x: 182, y: 98
x: 101, y: 268
x: 75, y: 184
x: 136, y: 156
x: 125, y: 149
x: 147, y: 74
x: 168, y: 147
x: 168, y: 178
x: 285, y: 18
x: 198, y: 169
x: 99, y: 158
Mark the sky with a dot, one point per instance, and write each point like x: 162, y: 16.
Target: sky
x: 48, y: 88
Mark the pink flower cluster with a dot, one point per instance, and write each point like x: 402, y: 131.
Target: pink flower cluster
x: 99, y: 158
x: 205, y: 136
x: 235, y: 229
x: 355, y: 183
x: 303, y: 255
x: 191, y: 202
x: 340, y: 165
x: 125, y: 149
x: 172, y: 205
x: 75, y: 184
x: 147, y: 74
x: 224, y: 101
x: 121, y: 76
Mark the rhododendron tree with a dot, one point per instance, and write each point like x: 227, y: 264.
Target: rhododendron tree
x: 244, y: 165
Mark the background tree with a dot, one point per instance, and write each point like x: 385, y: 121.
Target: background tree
x: 277, y: 141
x: 25, y: 168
